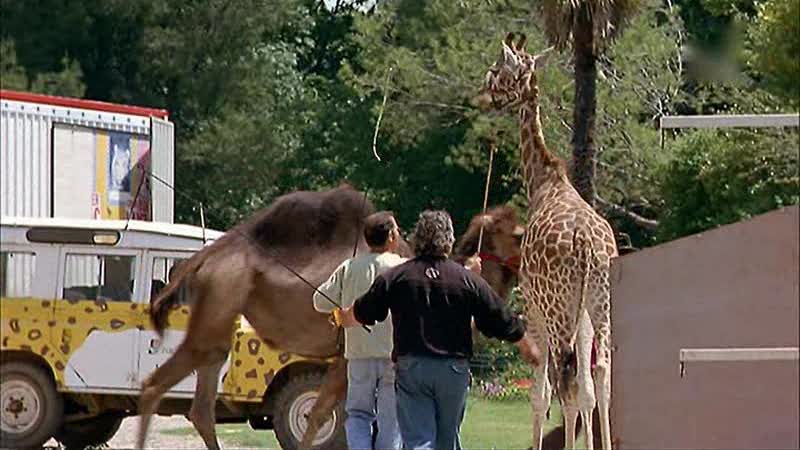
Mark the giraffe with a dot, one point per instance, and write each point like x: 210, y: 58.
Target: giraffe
x: 566, y: 254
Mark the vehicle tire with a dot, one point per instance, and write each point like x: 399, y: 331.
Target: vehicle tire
x: 293, y: 402
x: 30, y: 407
x: 89, y: 432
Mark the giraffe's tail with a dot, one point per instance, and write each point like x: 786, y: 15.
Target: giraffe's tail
x: 569, y: 360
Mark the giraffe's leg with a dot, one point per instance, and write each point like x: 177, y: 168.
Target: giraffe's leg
x: 585, y: 385
x: 541, y: 390
x: 203, y: 411
x: 566, y: 386
x: 540, y: 393
x: 569, y: 407
x: 603, y: 384
x: 600, y: 315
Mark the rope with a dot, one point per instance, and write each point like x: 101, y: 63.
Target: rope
x: 380, y: 114
x: 486, y: 195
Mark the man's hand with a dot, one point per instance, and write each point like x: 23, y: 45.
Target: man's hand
x: 345, y: 318
x: 473, y: 264
x: 529, y: 350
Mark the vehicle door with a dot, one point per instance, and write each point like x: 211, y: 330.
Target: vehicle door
x: 152, y: 350
x: 27, y: 288
x: 97, y: 323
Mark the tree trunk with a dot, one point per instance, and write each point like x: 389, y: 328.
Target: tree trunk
x: 583, y: 147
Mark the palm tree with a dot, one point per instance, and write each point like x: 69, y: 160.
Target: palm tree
x: 587, y: 27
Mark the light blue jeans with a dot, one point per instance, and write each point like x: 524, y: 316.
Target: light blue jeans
x: 431, y: 401
x: 370, y: 399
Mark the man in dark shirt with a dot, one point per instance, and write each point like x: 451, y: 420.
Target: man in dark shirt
x: 433, y: 301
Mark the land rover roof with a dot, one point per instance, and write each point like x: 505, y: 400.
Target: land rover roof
x: 117, y: 233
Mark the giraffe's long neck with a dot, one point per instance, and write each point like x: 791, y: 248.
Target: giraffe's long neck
x: 539, y: 166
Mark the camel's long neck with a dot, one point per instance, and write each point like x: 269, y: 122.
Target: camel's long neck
x: 535, y: 156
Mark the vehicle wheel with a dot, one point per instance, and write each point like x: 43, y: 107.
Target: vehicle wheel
x: 89, y: 432
x: 30, y: 408
x: 293, y: 404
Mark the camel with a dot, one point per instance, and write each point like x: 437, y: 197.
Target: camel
x: 241, y: 274
x: 249, y: 272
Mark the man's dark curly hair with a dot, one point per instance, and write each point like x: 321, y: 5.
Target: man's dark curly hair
x: 433, y: 235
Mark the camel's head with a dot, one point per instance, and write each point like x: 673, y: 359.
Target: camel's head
x: 500, y: 247
x: 511, y: 80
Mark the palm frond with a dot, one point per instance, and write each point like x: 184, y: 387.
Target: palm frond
x: 607, y: 17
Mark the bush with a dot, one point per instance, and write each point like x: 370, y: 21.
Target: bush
x: 499, y: 372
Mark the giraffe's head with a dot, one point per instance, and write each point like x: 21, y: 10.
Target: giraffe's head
x: 511, y: 80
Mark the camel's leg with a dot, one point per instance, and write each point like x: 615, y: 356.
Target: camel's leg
x: 585, y: 385
x: 176, y: 368
x: 203, y: 411
x: 541, y: 390
x: 600, y: 314
x: 216, y: 305
x: 332, y: 391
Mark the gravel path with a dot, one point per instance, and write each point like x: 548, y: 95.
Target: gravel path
x: 126, y: 436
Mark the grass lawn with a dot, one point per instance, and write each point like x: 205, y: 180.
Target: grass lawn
x: 487, y: 425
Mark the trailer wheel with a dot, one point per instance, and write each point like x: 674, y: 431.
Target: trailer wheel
x: 293, y: 404
x: 89, y: 432
x: 30, y: 408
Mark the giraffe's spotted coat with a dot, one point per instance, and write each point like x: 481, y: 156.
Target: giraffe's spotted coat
x: 566, y: 252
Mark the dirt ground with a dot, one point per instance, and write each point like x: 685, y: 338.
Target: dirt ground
x: 126, y: 436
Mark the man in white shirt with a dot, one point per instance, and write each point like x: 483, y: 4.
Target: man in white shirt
x: 370, y: 373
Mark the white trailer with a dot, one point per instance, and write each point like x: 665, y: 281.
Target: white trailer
x: 82, y: 159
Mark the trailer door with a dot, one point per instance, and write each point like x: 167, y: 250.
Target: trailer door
x: 162, y: 135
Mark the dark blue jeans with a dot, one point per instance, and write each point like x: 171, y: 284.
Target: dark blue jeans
x: 431, y: 399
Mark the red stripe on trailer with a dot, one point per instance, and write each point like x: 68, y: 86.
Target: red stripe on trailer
x: 83, y: 104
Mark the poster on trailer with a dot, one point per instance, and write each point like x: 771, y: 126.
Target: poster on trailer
x: 122, y: 183
x: 119, y: 169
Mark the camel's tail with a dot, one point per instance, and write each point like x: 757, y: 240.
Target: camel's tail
x: 569, y: 360
x: 170, y: 295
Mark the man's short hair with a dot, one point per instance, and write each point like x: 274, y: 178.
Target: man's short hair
x: 434, y: 235
x: 377, y: 227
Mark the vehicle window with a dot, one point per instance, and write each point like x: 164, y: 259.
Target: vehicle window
x: 163, y: 271
x: 99, y: 277
x: 17, y: 270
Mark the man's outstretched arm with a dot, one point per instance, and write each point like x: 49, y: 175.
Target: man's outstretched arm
x: 369, y: 308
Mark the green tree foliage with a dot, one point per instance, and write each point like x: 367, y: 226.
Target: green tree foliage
x: 719, y: 177
x: 439, y: 52
x: 434, y: 143
x: 774, y: 35
x: 67, y: 81
x: 270, y: 96
x: 12, y: 75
